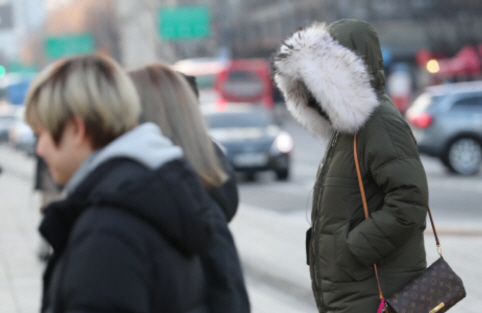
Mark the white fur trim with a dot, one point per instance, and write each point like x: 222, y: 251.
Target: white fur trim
x: 336, y: 77
x: 295, y: 95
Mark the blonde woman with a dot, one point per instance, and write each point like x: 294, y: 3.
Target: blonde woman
x: 119, y: 237
x: 168, y: 99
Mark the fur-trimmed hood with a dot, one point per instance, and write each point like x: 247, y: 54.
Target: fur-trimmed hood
x: 331, y: 76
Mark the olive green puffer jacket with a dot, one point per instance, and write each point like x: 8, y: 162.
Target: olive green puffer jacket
x: 333, y: 82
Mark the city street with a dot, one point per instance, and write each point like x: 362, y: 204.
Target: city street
x: 455, y: 200
x: 337, y: 57
x: 269, y: 230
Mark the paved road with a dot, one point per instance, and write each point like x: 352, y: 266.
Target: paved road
x: 455, y: 200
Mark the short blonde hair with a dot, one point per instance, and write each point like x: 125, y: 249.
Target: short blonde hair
x: 168, y: 100
x: 92, y: 87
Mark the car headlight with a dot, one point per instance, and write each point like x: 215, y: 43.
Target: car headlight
x: 283, y: 143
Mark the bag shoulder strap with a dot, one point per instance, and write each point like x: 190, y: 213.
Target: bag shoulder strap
x: 365, y: 208
x: 367, y: 214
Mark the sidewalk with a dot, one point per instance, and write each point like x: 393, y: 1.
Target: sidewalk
x: 20, y: 271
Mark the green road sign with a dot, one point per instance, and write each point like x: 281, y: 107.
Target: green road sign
x: 18, y: 67
x: 3, y: 71
x: 184, y: 22
x: 57, y: 47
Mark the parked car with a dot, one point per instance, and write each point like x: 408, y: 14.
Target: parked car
x: 20, y: 135
x: 251, y: 140
x: 447, y: 123
x: 7, y: 119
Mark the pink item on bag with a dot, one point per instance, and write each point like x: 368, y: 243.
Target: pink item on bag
x: 382, y: 305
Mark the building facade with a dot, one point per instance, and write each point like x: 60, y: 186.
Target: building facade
x: 18, y: 19
x: 404, y: 26
x: 129, y: 30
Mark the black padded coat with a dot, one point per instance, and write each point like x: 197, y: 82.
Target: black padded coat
x: 128, y: 240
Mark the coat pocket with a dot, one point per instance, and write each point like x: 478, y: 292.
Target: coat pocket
x: 345, y: 259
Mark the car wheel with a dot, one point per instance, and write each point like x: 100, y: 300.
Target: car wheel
x: 282, y: 174
x: 464, y: 156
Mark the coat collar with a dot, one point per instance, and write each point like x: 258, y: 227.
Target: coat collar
x: 311, y: 64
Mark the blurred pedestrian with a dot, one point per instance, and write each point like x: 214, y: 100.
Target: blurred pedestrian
x: 333, y: 81
x: 399, y: 86
x: 50, y: 191
x: 127, y: 236
x: 45, y: 183
x: 169, y: 100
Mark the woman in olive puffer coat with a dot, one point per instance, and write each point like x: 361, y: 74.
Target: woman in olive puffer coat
x: 333, y: 81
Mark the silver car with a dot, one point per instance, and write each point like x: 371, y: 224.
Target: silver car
x: 447, y: 123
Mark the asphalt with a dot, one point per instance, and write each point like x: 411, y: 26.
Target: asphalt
x: 271, y: 245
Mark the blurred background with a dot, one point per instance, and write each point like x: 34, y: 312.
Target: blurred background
x: 432, y: 53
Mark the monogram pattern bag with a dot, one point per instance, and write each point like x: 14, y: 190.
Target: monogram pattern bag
x: 436, y: 290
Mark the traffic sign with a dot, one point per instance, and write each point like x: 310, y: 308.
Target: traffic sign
x: 184, y: 22
x: 57, y: 47
x: 18, y: 67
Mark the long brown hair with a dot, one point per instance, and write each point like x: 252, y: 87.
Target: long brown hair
x: 169, y: 101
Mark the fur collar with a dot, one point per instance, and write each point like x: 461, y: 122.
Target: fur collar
x: 312, y: 62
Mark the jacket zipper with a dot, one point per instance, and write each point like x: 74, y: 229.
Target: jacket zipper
x: 330, y: 144
x: 320, y: 173
x: 335, y: 138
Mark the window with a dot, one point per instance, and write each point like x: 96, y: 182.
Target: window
x: 471, y: 103
x: 238, y: 120
x: 243, y: 84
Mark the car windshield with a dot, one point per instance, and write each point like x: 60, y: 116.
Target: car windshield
x: 244, y: 119
x: 205, y: 81
x: 425, y: 100
x: 243, y: 84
